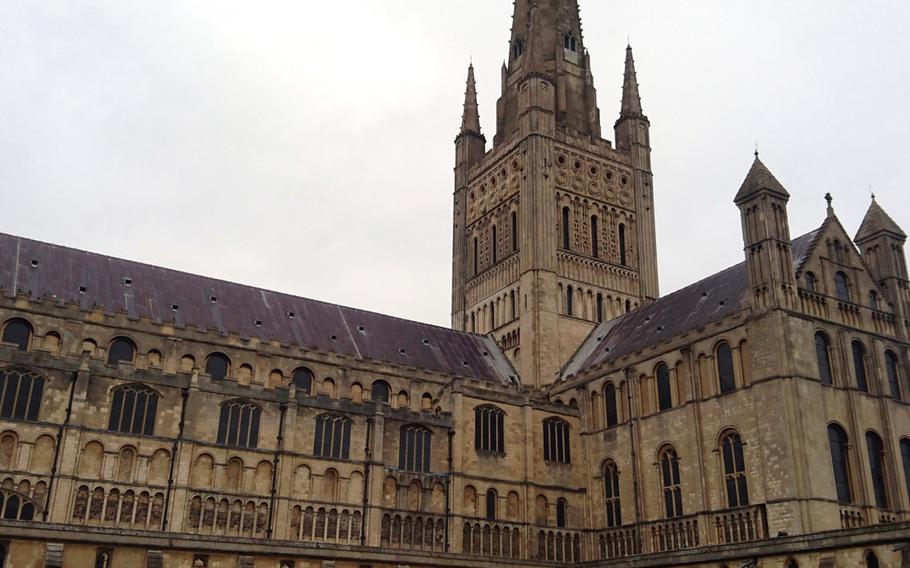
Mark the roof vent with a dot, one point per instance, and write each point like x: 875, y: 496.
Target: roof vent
x: 258, y: 323
x: 465, y: 363
x: 34, y: 263
x: 333, y: 337
x: 648, y: 318
x: 402, y: 351
x: 660, y: 328
x: 213, y: 299
x: 723, y: 302
x: 704, y: 294
x: 82, y: 289
x: 361, y: 329
x: 292, y: 315
x: 426, y: 342
x: 127, y: 281
x: 486, y: 353
x: 174, y: 307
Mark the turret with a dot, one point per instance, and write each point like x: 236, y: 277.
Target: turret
x: 762, y: 202
x: 881, y: 242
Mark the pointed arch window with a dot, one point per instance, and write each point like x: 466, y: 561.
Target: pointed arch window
x: 664, y: 390
x: 489, y: 430
x: 892, y: 369
x: 905, y: 461
x: 837, y: 440
x: 622, y: 245
x: 611, y: 495
x: 217, y: 366
x: 735, y: 470
x: 612, y: 405
x: 333, y: 437
x: 495, y: 251
x: 238, y: 424
x: 570, y: 42
x: 811, y: 282
x: 595, y: 237
x: 725, y: 368
x: 859, y: 366
x: 566, y: 241
x: 303, y: 380
x: 491, y: 505
x: 672, y: 489
x: 877, y: 468
x: 17, y: 332
x: 20, y: 394
x: 414, y: 449
x: 133, y: 410
x: 122, y: 350
x: 842, y: 287
x: 519, y: 48
x: 556, y: 445
x: 823, y: 356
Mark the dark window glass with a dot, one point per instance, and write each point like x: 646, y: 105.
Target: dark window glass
x: 873, y: 300
x: 414, y: 449
x: 512, y: 304
x: 905, y: 460
x: 303, y: 380
x: 877, y: 468
x: 103, y: 558
x: 489, y: 432
x: 570, y: 299
x: 122, y: 350
x: 217, y: 366
x: 133, y: 410
x: 891, y: 367
x: 476, y: 260
x: 811, y: 284
x: 333, y: 437
x: 17, y: 332
x: 611, y: 493
x: 565, y: 229
x: 514, y: 231
x: 20, y: 394
x: 491, y: 505
x: 871, y: 560
x: 837, y: 440
x: 495, y: 252
x: 379, y: 392
x: 595, y: 238
x: 239, y: 424
x: 612, y: 406
x: 556, y: 446
x: 842, y: 287
x: 600, y: 308
x: 725, y: 368
x: 823, y: 355
x: 664, y: 392
x: 561, y: 514
x: 859, y: 366
x: 669, y: 469
x: 735, y: 471
x: 622, y: 245
x: 492, y: 316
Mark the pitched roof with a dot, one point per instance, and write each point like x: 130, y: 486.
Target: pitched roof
x: 877, y: 221
x: 759, y: 178
x: 46, y: 271
x: 711, y: 299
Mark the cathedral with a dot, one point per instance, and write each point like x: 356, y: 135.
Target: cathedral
x: 571, y: 415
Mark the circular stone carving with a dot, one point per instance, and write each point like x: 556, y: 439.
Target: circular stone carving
x: 625, y: 197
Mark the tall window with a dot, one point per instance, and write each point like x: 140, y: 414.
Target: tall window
x: 17, y: 332
x: 489, y: 431
x: 842, y: 287
x: 600, y: 307
x: 217, y: 366
x: 414, y: 449
x: 735, y: 470
x: 556, y: 447
x: 562, y: 516
x: 595, y: 239
x: 239, y: 424
x: 611, y: 494
x: 514, y: 231
x: 476, y: 261
x: 569, y: 300
x: 837, y: 440
x: 492, y: 315
x: 669, y: 470
x: 611, y: 404
x: 725, y: 368
x: 565, y: 229
x: 512, y: 305
x: 871, y: 560
x: 303, y: 380
x: 891, y: 367
x: 873, y: 300
x: 811, y: 282
x: 495, y: 252
x: 20, y: 394
x: 133, y: 410
x: 333, y: 437
x: 859, y: 366
x: 877, y: 467
x: 622, y: 245
x: 122, y: 350
x: 379, y: 392
x: 905, y: 461
x: 664, y: 392
x: 823, y: 355
x: 491, y: 505
x: 570, y: 42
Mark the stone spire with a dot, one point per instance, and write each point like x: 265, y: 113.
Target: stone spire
x: 470, y: 120
x: 541, y: 29
x: 760, y: 179
x: 631, y: 99
x: 877, y: 221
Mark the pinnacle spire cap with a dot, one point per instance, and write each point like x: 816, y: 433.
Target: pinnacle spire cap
x: 631, y: 98
x: 759, y: 179
x: 878, y: 221
x: 470, y: 120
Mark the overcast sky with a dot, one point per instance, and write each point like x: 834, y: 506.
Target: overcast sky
x: 306, y: 146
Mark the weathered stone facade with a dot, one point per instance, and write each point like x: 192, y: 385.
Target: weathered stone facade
x: 759, y: 417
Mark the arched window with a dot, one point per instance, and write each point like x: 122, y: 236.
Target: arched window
x: 905, y: 461
x: 611, y: 495
x: 518, y: 48
x: 514, y: 231
x: 333, y: 437
x: 735, y: 470
x: 570, y: 42
x: 622, y: 245
x: 811, y: 282
x: 565, y: 229
x: 122, y: 350
x: 837, y: 440
x: 473, y: 323
x: 823, y: 356
x: 238, y: 425
x: 414, y: 449
x: 556, y: 445
x: 20, y: 394
x: 859, y: 366
x: 871, y: 560
x: 595, y: 238
x: 628, y: 306
x: 17, y: 332
x: 725, y: 368
x: 133, y: 410
x: 600, y: 307
x: 562, y: 514
x: 842, y: 287
x: 489, y: 431
x: 669, y: 470
x: 891, y: 367
x: 491, y: 505
x: 791, y: 563
x: 873, y: 300
x: 512, y: 305
x: 664, y: 392
x: 476, y: 260
x: 611, y: 405
x: 495, y: 252
x: 877, y: 467
x: 379, y: 392
x: 303, y: 380
x: 492, y: 315
x: 217, y: 366
x: 570, y: 300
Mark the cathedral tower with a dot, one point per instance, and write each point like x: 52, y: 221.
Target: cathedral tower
x: 554, y: 227
x: 881, y: 242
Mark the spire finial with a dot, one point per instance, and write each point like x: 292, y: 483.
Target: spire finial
x: 631, y: 99
x: 756, y: 150
x: 872, y: 193
x: 470, y: 120
x: 830, y: 199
